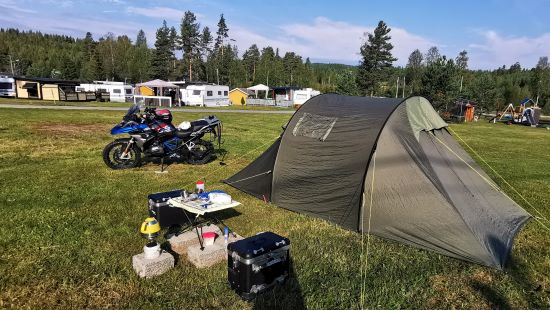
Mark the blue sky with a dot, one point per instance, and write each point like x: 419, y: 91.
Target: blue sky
x: 494, y: 33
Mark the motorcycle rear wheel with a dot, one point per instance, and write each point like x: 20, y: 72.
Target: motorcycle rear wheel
x: 113, y: 151
x: 201, y: 153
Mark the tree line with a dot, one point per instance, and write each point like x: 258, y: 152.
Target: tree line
x: 441, y: 79
x: 196, y: 53
x: 189, y: 52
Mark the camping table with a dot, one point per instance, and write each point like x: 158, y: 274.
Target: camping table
x: 196, y: 208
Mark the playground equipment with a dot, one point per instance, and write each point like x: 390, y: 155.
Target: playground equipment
x: 521, y: 114
x: 463, y: 111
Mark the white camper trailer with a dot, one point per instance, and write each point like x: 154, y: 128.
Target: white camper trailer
x: 118, y: 91
x: 303, y: 95
x: 205, y: 95
x: 7, y: 86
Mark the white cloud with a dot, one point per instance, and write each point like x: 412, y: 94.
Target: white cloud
x: 497, y: 50
x: 73, y: 25
x: 329, y: 40
x: 159, y: 12
x: 7, y: 5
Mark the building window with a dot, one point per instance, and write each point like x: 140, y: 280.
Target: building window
x: 128, y: 91
x: 219, y: 92
x: 209, y: 93
x: 225, y: 93
x: 196, y: 92
x: 116, y: 91
x: 80, y: 89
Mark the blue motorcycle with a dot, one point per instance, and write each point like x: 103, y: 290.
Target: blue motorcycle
x: 152, y: 135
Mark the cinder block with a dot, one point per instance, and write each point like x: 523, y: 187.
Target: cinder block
x: 181, y: 242
x: 210, y: 256
x: 147, y: 268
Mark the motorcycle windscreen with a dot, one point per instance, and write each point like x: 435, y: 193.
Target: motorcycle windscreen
x: 256, y: 178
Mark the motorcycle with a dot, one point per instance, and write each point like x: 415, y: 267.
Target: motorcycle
x: 152, y: 135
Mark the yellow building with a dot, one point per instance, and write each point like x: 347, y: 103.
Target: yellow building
x: 238, y: 96
x: 43, y: 88
x: 145, y: 91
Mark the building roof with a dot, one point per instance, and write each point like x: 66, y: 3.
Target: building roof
x: 45, y: 80
x: 259, y: 87
x: 158, y: 83
x: 243, y: 90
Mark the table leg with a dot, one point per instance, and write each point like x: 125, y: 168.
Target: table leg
x: 193, y: 226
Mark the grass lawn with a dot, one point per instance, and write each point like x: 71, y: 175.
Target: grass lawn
x: 126, y: 104
x: 71, y: 225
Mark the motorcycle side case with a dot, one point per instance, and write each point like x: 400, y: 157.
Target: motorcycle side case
x: 256, y: 264
x: 166, y: 215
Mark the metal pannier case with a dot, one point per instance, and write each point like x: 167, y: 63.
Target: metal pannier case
x: 166, y: 215
x: 257, y: 263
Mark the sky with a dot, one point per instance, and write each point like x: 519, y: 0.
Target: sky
x: 494, y: 33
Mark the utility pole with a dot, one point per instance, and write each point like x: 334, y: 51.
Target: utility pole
x: 404, y: 85
x: 218, y: 75
x: 11, y: 65
x: 397, y: 90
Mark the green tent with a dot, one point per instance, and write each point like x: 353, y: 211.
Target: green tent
x: 426, y: 190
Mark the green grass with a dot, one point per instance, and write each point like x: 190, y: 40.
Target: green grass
x: 63, y: 103
x: 126, y: 104
x: 70, y: 227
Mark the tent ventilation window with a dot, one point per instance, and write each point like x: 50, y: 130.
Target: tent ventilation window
x: 314, y: 126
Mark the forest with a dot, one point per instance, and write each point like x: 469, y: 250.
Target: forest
x: 196, y: 53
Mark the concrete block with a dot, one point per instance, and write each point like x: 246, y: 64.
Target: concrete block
x: 210, y: 256
x: 147, y: 268
x: 181, y: 242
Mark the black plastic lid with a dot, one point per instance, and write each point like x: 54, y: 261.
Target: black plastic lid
x: 156, y: 197
x: 258, y: 245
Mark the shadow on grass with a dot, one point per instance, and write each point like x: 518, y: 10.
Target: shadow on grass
x: 286, y: 296
x: 493, y: 297
x: 532, y: 292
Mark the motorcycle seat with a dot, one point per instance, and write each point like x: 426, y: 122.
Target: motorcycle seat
x: 198, y: 124
x: 183, y: 134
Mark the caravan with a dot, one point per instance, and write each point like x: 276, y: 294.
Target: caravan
x: 303, y: 95
x: 205, y: 95
x: 7, y: 86
x: 118, y: 91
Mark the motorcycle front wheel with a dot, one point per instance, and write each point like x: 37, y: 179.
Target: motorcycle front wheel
x: 201, y: 153
x: 114, y: 158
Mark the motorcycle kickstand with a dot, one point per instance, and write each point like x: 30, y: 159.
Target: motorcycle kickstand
x: 162, y: 166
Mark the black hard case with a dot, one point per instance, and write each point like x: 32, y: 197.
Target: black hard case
x: 166, y: 215
x: 257, y: 263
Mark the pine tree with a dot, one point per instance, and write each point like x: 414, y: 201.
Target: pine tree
x: 414, y: 71
x: 462, y: 60
x: 432, y: 55
x: 141, y: 39
x: 376, y: 59
x: 222, y: 33
x: 162, y: 54
x: 543, y: 63
x: 251, y: 58
x: 140, y: 59
x: 205, y: 41
x: 189, y: 40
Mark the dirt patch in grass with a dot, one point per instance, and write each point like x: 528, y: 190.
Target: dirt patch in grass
x: 67, y: 128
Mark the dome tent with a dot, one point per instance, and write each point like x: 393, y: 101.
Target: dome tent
x: 426, y: 190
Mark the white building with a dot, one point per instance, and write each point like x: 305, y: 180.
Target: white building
x: 118, y: 91
x: 7, y: 86
x: 205, y: 95
x: 303, y: 95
